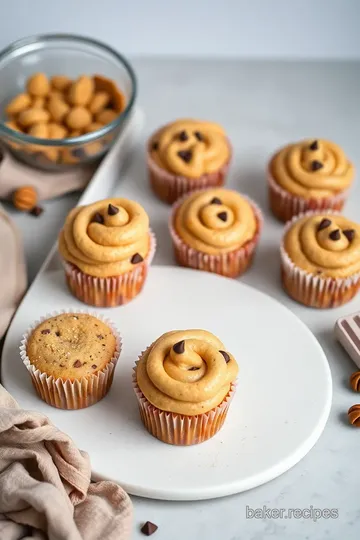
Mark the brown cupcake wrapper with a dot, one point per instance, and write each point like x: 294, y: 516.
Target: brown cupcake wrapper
x: 309, y: 289
x: 181, y: 430
x: 232, y: 264
x: 169, y: 187
x: 67, y: 394
x: 285, y: 205
x: 111, y: 291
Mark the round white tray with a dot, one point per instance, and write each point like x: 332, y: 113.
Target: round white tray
x: 278, y: 413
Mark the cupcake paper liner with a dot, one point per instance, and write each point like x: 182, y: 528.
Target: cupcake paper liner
x: 67, y: 394
x: 285, y: 205
x: 111, y: 291
x: 169, y: 187
x: 231, y: 264
x: 181, y: 430
x: 309, y: 289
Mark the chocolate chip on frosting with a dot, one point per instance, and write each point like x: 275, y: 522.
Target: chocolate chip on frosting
x: 183, y: 136
x: 216, y: 200
x: 137, y: 258
x: 314, y: 145
x: 98, y: 218
x: 350, y: 234
x: 199, y: 136
x: 324, y: 223
x: 77, y: 363
x: 222, y: 215
x: 335, y: 235
x: 112, y: 210
x: 179, y: 347
x: 226, y: 356
x: 185, y: 155
x: 316, y: 165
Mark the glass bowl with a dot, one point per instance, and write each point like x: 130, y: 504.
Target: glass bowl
x: 73, y: 56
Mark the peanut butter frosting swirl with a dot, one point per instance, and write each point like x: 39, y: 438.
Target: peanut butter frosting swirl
x: 327, y: 245
x: 190, y: 148
x: 215, y: 221
x: 186, y: 372
x: 312, y: 169
x: 107, y: 238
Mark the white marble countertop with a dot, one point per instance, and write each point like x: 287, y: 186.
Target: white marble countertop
x: 262, y: 105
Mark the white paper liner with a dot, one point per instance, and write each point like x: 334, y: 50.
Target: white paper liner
x: 313, y: 290
x: 230, y: 264
x: 67, y: 394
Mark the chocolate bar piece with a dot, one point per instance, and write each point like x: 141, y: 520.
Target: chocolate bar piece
x: 347, y: 331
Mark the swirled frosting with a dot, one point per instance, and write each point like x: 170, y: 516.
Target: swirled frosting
x: 107, y: 238
x: 327, y: 245
x: 312, y: 169
x: 190, y: 148
x: 186, y: 372
x: 215, y: 221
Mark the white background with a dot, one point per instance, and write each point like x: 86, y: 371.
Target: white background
x: 237, y: 28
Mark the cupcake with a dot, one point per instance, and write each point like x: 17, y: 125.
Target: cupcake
x: 215, y: 230
x: 184, y: 383
x: 320, y: 259
x: 309, y: 175
x: 107, y: 248
x: 71, y: 358
x: 186, y: 155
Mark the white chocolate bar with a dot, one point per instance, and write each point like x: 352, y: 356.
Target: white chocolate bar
x: 347, y: 331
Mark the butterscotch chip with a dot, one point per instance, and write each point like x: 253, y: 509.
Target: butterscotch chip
x: 75, y: 133
x: 60, y: 82
x: 56, y: 131
x: 18, y: 103
x: 56, y: 94
x: 93, y: 148
x: 25, y: 198
x: 51, y: 153
x: 33, y: 116
x: 81, y: 91
x: 106, y: 116
x: 107, y: 85
x: 67, y: 156
x: 38, y: 103
x: 78, y: 118
x: 38, y: 85
x: 12, y: 125
x: 94, y: 126
x: 39, y: 130
x: 99, y: 101
x: 58, y: 109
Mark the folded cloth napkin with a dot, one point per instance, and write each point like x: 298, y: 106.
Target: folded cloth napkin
x: 45, y: 487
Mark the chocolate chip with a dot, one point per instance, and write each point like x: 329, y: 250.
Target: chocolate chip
x: 155, y: 146
x: 185, y: 155
x: 323, y: 224
x: 350, y: 234
x: 112, y: 210
x: 94, y: 366
x: 98, y: 218
x: 183, y: 136
x: 226, y: 356
x: 179, y: 347
x: 216, y: 200
x: 77, y: 363
x: 46, y: 331
x: 137, y: 258
x: 62, y: 365
x: 316, y: 165
x: 100, y: 336
x: 314, y: 145
x: 199, y: 135
x: 222, y: 215
x: 36, y: 211
x: 335, y: 235
x: 57, y: 334
x: 149, y: 528
x: 193, y: 368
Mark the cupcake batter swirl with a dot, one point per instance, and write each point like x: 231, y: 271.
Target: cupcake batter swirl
x: 325, y: 244
x: 315, y: 168
x: 215, y: 221
x: 186, y: 372
x: 107, y: 238
x: 190, y: 148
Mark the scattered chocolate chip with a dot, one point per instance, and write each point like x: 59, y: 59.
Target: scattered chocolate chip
x: 216, y: 200
x: 222, y: 215
x: 77, y: 363
x: 316, y: 165
x: 193, y: 368
x: 350, y: 234
x: 183, y: 136
x: 137, y: 258
x: 185, y: 155
x: 155, y: 146
x: 149, y: 528
x: 314, y: 145
x: 112, y: 210
x: 94, y: 366
x: 98, y: 218
x: 46, y: 331
x: 225, y: 355
x: 57, y: 334
x: 36, y: 211
x: 199, y: 135
x: 179, y: 347
x: 324, y: 223
x: 335, y: 235
x: 100, y: 336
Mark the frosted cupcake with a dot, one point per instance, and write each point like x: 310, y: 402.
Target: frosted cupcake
x: 320, y: 259
x: 186, y: 155
x: 184, y: 383
x: 215, y: 230
x: 308, y: 175
x: 107, y: 248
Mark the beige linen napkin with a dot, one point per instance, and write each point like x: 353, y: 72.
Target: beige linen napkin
x: 45, y: 488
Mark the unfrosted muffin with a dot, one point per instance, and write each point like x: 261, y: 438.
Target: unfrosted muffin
x: 215, y: 230
x: 184, y: 383
x: 320, y: 256
x: 308, y: 175
x: 71, y: 358
x: 185, y: 155
x: 107, y: 248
